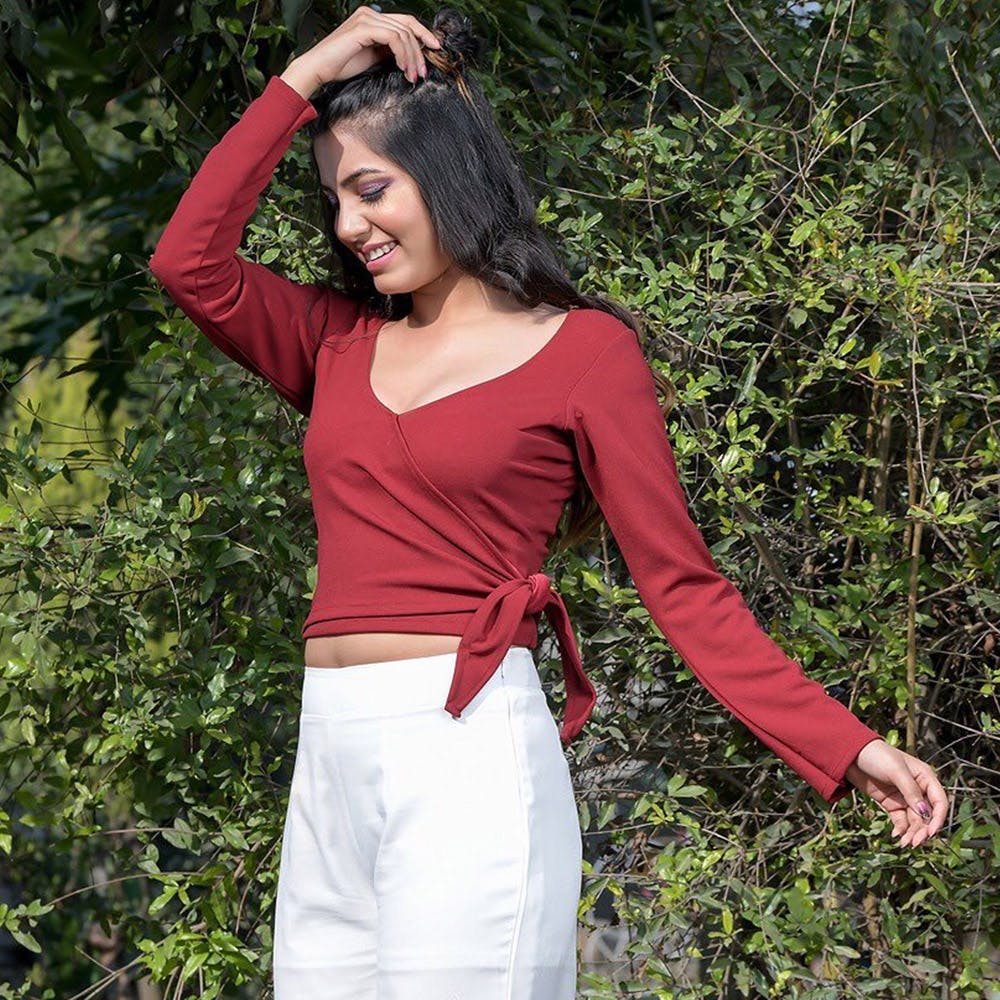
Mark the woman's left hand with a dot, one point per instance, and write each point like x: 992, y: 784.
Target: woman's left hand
x: 902, y: 785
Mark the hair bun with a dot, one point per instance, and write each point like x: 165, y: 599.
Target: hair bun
x: 458, y: 38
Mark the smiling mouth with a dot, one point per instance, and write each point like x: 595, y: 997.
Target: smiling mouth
x: 382, y: 251
x: 383, y: 260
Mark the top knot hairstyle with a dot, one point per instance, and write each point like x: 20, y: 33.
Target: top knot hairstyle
x: 441, y: 130
x: 460, y: 46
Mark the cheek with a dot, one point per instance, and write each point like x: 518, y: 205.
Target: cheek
x: 407, y: 215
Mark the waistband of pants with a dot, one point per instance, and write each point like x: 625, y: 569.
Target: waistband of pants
x: 391, y: 687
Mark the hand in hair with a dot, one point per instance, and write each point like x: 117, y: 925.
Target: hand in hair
x: 363, y: 39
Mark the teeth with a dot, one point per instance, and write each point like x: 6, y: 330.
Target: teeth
x: 380, y: 251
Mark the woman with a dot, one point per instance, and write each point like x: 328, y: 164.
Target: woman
x: 460, y: 393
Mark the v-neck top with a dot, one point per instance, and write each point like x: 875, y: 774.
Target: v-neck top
x: 437, y: 520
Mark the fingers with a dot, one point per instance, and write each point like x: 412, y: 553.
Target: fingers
x: 906, y: 782
x: 905, y: 825
x: 424, y: 35
x: 935, y: 794
x: 915, y: 831
x: 405, y: 36
x: 920, y: 827
x: 908, y: 790
x: 403, y: 45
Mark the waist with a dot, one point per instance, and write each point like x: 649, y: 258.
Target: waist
x: 504, y: 617
x: 393, y: 687
x: 433, y: 625
x: 333, y: 651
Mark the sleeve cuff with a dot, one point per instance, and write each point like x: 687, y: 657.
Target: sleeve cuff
x: 283, y: 94
x: 841, y: 786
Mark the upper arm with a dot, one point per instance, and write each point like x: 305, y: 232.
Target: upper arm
x: 269, y: 324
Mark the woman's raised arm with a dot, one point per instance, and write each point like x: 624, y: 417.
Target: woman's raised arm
x: 269, y: 324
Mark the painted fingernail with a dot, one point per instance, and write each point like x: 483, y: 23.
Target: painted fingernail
x: 924, y: 810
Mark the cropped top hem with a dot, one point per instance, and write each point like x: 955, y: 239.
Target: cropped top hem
x: 443, y: 623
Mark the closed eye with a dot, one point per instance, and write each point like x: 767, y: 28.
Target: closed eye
x: 370, y: 196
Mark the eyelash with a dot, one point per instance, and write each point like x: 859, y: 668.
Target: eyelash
x: 371, y: 197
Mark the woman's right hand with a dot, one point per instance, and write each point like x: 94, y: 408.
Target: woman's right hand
x: 361, y: 40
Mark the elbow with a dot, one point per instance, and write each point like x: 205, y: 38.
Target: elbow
x: 172, y: 276
x: 173, y: 283
x: 174, y: 255
x: 157, y: 267
x: 182, y: 269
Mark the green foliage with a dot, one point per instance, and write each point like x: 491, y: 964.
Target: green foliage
x: 803, y: 211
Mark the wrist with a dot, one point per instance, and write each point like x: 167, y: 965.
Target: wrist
x: 300, y: 78
x: 855, y: 760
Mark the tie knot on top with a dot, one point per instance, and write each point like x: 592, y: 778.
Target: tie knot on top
x: 540, y: 584
x: 492, y: 629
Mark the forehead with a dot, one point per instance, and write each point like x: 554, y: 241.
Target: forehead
x: 343, y: 157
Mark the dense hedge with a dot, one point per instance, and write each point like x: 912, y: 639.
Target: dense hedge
x: 801, y: 204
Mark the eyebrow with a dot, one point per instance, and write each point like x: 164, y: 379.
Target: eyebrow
x: 351, y: 178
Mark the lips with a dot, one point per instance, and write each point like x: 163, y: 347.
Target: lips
x: 363, y: 254
x: 378, y: 263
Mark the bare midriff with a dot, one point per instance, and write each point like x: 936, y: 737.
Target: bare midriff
x: 374, y: 647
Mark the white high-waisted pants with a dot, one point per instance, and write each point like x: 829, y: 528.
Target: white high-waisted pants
x: 426, y: 857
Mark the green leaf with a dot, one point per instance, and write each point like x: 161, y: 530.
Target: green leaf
x: 802, y: 232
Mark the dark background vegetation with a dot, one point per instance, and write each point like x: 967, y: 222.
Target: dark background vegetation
x: 800, y: 202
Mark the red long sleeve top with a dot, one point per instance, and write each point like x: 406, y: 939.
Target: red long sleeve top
x: 436, y: 520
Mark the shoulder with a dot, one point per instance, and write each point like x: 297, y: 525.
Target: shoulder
x: 344, y: 314
x: 606, y: 350
x: 613, y: 382
x: 597, y: 325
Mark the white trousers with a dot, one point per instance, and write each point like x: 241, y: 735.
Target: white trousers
x: 426, y: 857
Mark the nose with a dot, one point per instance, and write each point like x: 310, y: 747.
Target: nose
x: 352, y: 239
x: 352, y: 229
